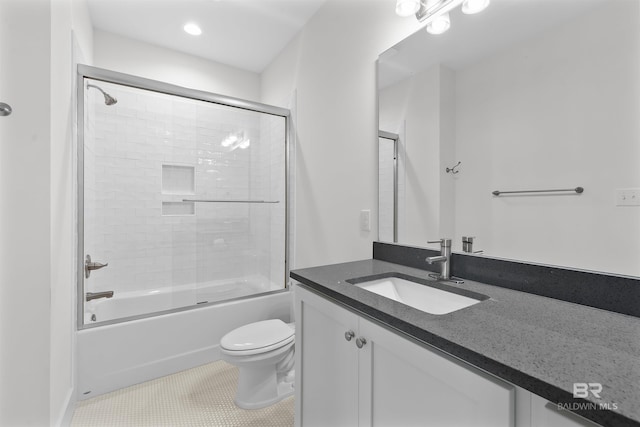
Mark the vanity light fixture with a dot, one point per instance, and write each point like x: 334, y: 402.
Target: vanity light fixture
x: 435, y: 13
x: 192, y: 28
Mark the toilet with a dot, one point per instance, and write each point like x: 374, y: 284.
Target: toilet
x: 263, y: 352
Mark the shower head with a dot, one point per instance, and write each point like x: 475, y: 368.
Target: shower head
x: 108, y: 99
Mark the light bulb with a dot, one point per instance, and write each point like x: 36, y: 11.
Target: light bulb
x: 439, y: 25
x: 407, y: 7
x: 474, y: 6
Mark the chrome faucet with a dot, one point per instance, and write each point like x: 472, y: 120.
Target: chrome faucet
x: 96, y: 295
x: 443, y: 259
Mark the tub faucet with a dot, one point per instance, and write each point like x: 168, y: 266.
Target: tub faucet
x: 443, y: 259
x: 96, y: 295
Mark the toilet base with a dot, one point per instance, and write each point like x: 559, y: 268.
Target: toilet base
x: 266, y: 373
x: 259, y: 388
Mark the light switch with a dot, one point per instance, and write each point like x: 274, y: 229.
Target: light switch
x: 628, y: 197
x: 365, y: 220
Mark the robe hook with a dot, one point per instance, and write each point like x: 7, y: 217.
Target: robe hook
x: 453, y: 169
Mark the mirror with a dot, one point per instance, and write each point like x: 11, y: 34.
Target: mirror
x: 527, y: 95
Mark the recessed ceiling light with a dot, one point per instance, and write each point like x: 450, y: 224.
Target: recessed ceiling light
x: 192, y: 28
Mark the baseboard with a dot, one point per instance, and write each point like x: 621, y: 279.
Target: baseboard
x: 150, y: 371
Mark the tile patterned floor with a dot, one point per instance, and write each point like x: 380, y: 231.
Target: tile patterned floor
x: 201, y: 396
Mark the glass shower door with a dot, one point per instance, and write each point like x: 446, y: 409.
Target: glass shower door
x: 240, y: 203
x: 183, y: 201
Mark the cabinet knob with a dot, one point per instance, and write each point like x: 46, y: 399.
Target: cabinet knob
x: 360, y: 342
x: 348, y: 335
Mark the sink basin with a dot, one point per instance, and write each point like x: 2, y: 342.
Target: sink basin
x: 417, y: 295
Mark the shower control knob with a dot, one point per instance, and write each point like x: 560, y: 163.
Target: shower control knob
x: 89, y: 266
x: 360, y: 342
x: 349, y: 335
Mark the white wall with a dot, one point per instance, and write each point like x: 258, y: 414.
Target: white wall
x: 556, y: 112
x: 36, y: 211
x: 330, y: 66
x: 25, y: 212
x: 83, y: 30
x: 71, y: 41
x: 447, y: 127
x: 419, y: 109
x: 141, y: 59
x: 62, y: 222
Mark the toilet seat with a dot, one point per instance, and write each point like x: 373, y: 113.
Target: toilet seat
x: 258, y: 337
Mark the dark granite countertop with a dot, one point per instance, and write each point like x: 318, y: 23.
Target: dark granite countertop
x: 541, y: 344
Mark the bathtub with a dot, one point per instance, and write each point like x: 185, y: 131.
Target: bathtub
x: 137, y: 303
x: 113, y: 356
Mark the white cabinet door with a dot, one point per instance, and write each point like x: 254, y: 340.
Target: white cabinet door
x: 380, y: 378
x: 326, y: 363
x: 411, y: 385
x: 547, y: 414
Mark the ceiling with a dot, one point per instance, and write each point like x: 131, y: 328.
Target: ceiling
x: 246, y: 34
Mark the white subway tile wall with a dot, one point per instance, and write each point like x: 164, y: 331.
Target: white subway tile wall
x: 178, y: 179
x: 148, y: 152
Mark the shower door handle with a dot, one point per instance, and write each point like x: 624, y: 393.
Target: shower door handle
x: 89, y: 266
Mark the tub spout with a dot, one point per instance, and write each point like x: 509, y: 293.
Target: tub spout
x: 96, y: 295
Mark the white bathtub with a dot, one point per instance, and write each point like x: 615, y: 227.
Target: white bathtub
x: 118, y: 355
x: 135, y: 303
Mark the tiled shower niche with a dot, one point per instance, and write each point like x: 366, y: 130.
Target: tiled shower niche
x: 178, y: 180
x: 148, y: 153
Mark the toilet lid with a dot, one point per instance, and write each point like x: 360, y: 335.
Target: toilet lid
x: 258, y: 335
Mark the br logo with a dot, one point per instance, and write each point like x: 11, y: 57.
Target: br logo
x: 583, y: 390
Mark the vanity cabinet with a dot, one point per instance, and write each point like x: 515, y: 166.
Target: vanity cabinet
x: 326, y: 381
x: 353, y: 372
